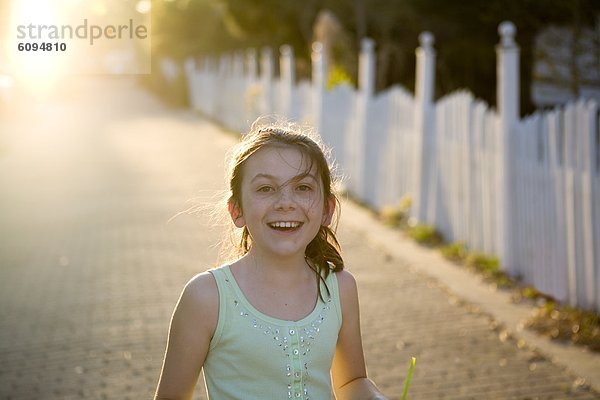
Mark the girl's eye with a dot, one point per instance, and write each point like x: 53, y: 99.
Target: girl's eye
x: 304, y: 188
x: 265, y: 189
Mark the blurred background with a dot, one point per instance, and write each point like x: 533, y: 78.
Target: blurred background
x: 110, y: 175
x: 558, y: 39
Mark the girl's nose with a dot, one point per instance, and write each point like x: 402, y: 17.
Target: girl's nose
x: 285, y: 199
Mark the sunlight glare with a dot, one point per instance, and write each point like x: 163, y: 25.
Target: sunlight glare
x: 143, y: 6
x: 35, y: 70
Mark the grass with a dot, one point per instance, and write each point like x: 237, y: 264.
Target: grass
x: 397, y: 216
x: 392, y: 217
x: 456, y: 252
x: 567, y: 324
x: 408, y: 377
x: 489, y: 267
x: 426, y: 235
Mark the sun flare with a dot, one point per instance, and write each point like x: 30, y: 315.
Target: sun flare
x: 34, y: 68
x: 49, y: 40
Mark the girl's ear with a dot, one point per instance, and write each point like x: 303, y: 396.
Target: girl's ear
x: 328, y: 211
x: 236, y: 214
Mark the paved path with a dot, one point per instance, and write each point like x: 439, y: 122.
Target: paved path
x: 92, y: 262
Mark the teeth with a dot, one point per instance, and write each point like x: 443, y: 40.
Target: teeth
x: 282, y: 224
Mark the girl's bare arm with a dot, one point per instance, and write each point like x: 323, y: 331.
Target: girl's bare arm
x: 348, y: 371
x: 192, y: 326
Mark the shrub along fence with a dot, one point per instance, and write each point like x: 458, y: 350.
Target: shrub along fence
x: 526, y: 190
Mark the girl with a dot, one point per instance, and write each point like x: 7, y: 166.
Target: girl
x: 281, y: 322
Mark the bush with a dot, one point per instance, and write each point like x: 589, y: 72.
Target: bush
x: 397, y: 216
x: 490, y: 268
x: 456, y: 252
x: 338, y: 76
x: 392, y: 216
x: 482, y: 262
x: 426, y: 235
x: 567, y: 324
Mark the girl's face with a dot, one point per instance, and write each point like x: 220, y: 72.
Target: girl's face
x: 282, y: 202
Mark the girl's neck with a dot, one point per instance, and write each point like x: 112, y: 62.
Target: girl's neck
x: 276, y: 269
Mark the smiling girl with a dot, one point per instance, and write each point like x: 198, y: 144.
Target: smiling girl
x: 282, y: 321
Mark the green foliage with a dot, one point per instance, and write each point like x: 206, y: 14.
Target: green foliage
x: 392, y: 216
x: 490, y: 268
x: 426, y: 235
x: 567, y: 324
x: 456, y: 252
x: 466, y: 34
x: 529, y: 292
x: 397, y: 216
x: 338, y: 76
x: 405, y: 203
x: 482, y: 262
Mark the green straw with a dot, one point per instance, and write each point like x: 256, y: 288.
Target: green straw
x: 408, y: 377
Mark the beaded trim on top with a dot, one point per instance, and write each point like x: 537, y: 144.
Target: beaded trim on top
x: 294, y: 341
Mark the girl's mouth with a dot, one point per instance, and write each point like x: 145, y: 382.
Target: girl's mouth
x: 285, y: 226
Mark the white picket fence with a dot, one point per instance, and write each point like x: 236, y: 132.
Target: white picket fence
x: 526, y: 190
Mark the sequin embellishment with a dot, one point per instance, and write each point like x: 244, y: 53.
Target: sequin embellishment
x: 294, y: 342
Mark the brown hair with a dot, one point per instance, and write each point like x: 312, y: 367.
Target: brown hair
x: 323, y: 253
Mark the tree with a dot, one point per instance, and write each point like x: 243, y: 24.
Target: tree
x: 182, y: 28
x: 465, y: 31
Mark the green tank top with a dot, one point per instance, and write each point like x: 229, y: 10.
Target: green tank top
x: 253, y: 356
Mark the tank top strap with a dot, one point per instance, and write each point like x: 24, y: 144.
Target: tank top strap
x: 334, y: 293
x: 225, y: 293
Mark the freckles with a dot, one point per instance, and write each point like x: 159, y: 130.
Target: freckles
x: 313, y: 205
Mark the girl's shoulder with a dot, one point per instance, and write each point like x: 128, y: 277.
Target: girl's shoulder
x: 346, y: 282
x: 200, y: 297
x: 201, y: 284
x: 348, y: 293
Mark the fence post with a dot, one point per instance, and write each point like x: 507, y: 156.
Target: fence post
x: 252, y: 87
x: 191, y: 74
x: 223, y: 73
x: 238, y: 116
x: 251, y: 74
x: 424, y: 118
x: 590, y: 205
x: 238, y: 65
x: 366, y: 68
x: 288, y: 79
x: 356, y: 144
x: 507, y: 71
x: 318, y: 84
x: 266, y: 75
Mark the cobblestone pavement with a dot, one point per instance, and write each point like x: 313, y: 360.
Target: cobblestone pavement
x: 93, y: 255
